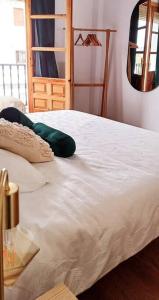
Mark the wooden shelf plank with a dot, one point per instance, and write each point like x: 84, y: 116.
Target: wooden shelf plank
x: 43, y: 17
x: 88, y: 84
x: 48, y: 97
x: 58, y: 89
x: 96, y: 30
x: 57, y: 81
x: 48, y: 49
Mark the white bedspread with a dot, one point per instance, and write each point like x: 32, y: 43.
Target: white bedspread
x: 100, y: 207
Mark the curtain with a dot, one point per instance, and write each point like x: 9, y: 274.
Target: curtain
x: 43, y: 35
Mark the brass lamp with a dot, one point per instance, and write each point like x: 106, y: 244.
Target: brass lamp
x: 9, y: 215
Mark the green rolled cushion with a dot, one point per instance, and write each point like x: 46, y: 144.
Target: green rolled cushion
x: 25, y: 121
x: 12, y: 114
x: 61, y: 144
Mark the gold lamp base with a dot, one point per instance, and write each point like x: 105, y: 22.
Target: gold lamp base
x: 11, y: 206
x: 16, y: 244
x: 9, y: 216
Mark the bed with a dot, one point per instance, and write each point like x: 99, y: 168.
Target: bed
x: 99, y: 207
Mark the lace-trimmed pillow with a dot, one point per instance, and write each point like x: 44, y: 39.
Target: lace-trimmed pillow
x: 23, y: 141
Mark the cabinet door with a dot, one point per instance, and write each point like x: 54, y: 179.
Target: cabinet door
x: 49, y: 51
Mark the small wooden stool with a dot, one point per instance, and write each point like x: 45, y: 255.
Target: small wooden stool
x: 60, y: 292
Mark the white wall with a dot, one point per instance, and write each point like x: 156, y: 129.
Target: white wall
x: 89, y: 62
x: 125, y: 103
x: 12, y: 37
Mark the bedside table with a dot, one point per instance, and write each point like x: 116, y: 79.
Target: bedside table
x: 59, y: 292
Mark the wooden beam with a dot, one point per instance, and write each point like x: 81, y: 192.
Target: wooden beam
x: 96, y: 30
x: 106, y: 78
x: 72, y: 69
x: 48, y: 97
x: 30, y: 66
x: 47, y: 17
x: 147, y: 47
x: 88, y: 84
x: 48, y: 49
x: 68, y: 33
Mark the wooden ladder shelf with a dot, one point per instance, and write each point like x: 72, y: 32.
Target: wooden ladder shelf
x: 104, y: 84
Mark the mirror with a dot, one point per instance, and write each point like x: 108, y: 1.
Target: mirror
x: 143, y: 46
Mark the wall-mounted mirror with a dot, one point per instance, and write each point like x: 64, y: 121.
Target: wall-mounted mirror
x: 143, y: 46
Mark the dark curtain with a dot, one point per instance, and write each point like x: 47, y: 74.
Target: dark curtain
x: 133, y: 34
x: 43, y: 35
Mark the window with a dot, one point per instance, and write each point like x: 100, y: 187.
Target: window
x: 18, y: 16
x: 154, y: 42
x: 141, y: 34
x: 20, y: 57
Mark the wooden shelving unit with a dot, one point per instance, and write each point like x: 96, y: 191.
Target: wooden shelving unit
x: 49, y: 93
x: 104, y: 84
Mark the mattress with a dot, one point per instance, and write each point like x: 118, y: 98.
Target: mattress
x: 100, y: 206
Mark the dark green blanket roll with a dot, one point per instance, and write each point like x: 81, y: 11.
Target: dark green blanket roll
x: 12, y: 114
x: 61, y: 144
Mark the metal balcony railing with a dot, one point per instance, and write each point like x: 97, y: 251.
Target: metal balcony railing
x: 13, y: 81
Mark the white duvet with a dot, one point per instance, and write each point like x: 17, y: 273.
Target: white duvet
x: 100, y: 207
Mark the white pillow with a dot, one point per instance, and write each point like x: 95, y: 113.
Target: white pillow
x: 21, y: 172
x: 23, y: 141
x: 7, y: 101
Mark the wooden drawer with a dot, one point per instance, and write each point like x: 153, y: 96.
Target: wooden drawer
x: 48, y: 104
x: 40, y: 104
x: 58, y: 90
x: 50, y: 87
x: 39, y: 87
x: 58, y: 105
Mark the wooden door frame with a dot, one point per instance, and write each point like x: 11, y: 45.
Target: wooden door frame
x: 29, y: 56
x: 148, y: 38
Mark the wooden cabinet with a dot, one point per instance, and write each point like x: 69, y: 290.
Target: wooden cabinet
x: 47, y: 92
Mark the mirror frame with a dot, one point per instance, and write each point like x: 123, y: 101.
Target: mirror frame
x: 144, y: 76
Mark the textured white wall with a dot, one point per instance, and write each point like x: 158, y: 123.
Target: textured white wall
x: 130, y: 106
x: 89, y: 62
x: 12, y: 37
x: 125, y: 103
